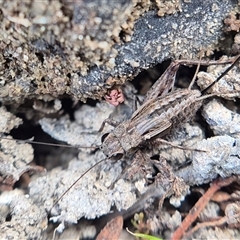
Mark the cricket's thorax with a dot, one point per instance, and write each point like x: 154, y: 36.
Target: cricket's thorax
x: 123, y: 140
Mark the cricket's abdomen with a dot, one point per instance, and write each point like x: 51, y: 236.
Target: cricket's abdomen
x: 182, y: 108
x: 168, y: 112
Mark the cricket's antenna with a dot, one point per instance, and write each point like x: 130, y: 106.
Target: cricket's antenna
x: 45, y: 144
x: 93, y: 166
x: 223, y: 74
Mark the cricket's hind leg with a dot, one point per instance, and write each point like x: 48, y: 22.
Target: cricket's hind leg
x: 195, y: 74
x: 160, y: 141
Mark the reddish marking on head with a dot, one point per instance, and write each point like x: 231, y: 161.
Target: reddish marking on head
x: 115, y: 97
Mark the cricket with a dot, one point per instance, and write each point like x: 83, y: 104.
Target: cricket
x: 162, y: 110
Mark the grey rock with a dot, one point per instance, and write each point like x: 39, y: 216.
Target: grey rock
x: 220, y: 159
x: 28, y: 219
x: 222, y: 120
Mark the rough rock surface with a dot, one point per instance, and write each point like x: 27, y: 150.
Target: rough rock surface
x: 20, y: 217
x: 83, y: 48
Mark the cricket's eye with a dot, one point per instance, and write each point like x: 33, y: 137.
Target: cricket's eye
x: 117, y: 156
x: 104, y: 137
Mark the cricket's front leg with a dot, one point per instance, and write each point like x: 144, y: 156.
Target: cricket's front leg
x: 110, y: 121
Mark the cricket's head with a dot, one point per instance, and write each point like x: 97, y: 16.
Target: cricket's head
x: 111, y: 147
